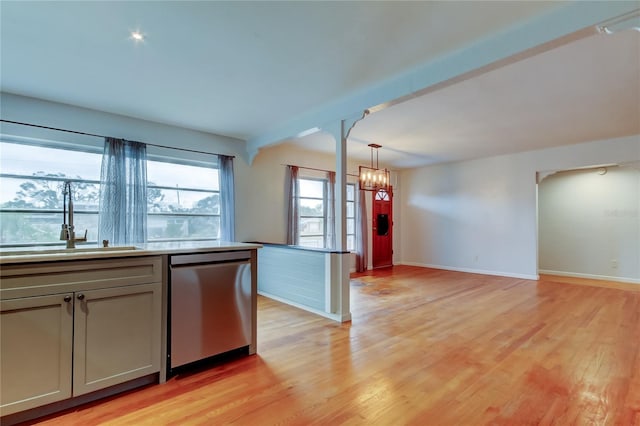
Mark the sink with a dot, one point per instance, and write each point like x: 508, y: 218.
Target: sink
x: 45, y: 251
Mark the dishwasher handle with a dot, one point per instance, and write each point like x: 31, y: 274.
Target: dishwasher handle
x: 210, y: 265
x: 216, y: 257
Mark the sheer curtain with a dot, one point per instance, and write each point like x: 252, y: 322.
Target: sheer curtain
x: 330, y: 238
x: 227, y: 198
x: 362, y: 244
x: 123, y: 192
x: 292, y: 188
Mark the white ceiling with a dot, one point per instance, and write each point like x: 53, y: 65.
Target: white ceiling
x: 583, y: 91
x: 243, y: 68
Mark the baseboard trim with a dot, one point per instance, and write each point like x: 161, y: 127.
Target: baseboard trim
x: 472, y: 271
x: 590, y: 276
x: 335, y: 317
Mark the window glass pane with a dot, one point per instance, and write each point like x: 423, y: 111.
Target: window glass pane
x: 82, y: 222
x: 160, y: 173
x: 312, y: 241
x: 351, y: 190
x: 351, y: 227
x: 312, y: 226
x: 25, y: 193
x: 25, y: 228
x: 311, y: 207
x: 351, y: 242
x: 40, y: 228
x: 164, y: 227
x: 27, y: 160
x: 180, y: 201
x: 37, y: 193
x: 311, y: 188
x: 350, y: 209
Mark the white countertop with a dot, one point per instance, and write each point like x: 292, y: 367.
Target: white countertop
x: 54, y: 254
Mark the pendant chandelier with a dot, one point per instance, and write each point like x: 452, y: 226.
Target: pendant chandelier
x: 373, y: 178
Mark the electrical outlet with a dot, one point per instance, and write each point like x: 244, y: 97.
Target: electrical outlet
x: 614, y: 264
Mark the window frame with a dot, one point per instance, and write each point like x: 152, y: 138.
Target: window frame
x: 354, y: 202
x: 324, y: 215
x: 169, y: 214
x: 48, y: 144
x: 93, y: 148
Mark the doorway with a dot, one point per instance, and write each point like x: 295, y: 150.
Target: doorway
x: 382, y: 232
x: 588, y: 223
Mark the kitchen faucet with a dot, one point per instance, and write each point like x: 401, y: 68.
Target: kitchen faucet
x: 67, y: 234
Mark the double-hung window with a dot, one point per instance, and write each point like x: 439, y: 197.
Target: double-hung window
x: 313, y: 212
x: 351, y: 217
x: 312, y: 206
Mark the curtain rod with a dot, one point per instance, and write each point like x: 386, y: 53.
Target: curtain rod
x: 317, y: 170
x: 101, y: 136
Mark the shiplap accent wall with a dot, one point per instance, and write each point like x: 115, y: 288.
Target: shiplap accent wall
x: 294, y: 275
x: 306, y: 279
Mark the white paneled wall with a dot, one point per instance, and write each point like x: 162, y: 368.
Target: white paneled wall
x: 307, y: 279
x: 297, y: 276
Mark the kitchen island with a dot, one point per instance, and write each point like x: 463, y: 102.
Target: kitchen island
x: 81, y: 324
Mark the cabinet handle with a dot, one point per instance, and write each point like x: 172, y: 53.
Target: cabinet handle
x: 80, y: 296
x: 67, y: 299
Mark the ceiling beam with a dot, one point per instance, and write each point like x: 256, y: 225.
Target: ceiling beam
x: 567, y: 22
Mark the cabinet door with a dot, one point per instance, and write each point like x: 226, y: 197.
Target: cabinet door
x: 116, y: 336
x: 36, y: 341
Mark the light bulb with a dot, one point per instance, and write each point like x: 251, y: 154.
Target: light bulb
x: 137, y: 36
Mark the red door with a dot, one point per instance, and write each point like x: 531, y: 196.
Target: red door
x: 382, y: 244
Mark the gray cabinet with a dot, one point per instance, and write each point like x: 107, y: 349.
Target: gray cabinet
x: 36, y: 343
x: 116, y: 336
x: 102, y: 329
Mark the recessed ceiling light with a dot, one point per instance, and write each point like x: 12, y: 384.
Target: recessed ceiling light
x: 137, y: 36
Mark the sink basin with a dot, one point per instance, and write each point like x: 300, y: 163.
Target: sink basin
x: 44, y: 250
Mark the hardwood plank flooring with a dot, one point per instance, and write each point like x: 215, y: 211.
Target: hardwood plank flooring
x: 425, y: 347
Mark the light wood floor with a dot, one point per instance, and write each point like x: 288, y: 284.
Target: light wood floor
x: 425, y: 347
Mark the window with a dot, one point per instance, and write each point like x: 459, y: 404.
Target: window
x: 183, y: 195
x: 183, y: 202
x: 313, y: 213
x: 31, y: 179
x: 351, y: 217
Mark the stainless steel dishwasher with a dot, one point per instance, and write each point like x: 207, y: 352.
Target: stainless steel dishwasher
x: 210, y: 305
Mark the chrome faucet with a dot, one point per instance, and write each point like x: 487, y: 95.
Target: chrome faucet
x: 67, y: 233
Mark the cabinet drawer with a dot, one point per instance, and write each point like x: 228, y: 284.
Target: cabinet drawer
x: 26, y: 280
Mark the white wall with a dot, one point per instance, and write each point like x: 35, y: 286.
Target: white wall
x: 480, y: 215
x: 53, y: 114
x: 589, y: 223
